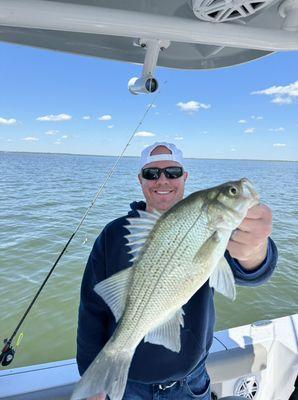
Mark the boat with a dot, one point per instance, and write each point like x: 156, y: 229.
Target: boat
x: 257, y: 361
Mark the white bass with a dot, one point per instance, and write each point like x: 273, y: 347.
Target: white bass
x: 175, y: 253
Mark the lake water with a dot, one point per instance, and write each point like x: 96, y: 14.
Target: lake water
x: 44, y: 196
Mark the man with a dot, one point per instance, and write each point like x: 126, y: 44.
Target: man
x: 155, y: 371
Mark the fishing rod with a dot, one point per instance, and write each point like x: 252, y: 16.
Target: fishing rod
x: 8, y: 352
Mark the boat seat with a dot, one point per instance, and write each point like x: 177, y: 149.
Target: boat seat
x: 227, y: 365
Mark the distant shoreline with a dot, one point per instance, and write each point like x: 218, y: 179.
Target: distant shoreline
x: 102, y: 155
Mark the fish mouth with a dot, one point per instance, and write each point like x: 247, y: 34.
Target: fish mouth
x: 249, y: 192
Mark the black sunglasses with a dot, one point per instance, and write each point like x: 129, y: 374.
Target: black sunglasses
x: 154, y: 173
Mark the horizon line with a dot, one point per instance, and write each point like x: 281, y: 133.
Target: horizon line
x: 104, y: 155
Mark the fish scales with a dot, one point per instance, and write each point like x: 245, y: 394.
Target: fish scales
x: 165, y: 274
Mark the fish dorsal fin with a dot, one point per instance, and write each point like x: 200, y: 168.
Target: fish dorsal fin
x: 152, y: 215
x: 222, y: 279
x: 168, y: 333
x: 139, y: 230
x: 114, y: 291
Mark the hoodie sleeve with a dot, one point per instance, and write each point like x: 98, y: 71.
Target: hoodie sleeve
x: 93, y: 312
x: 259, y: 275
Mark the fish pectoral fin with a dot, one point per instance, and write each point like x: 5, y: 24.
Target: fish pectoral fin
x: 167, y: 334
x: 222, y: 279
x: 114, y: 291
x: 208, y: 248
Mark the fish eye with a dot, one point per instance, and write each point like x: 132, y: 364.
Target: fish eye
x: 233, y: 191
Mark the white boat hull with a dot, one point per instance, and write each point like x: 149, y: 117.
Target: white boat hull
x: 257, y: 361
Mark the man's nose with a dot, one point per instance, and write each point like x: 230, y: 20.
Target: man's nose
x: 162, y: 178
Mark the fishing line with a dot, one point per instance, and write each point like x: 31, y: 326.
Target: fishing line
x: 8, y: 352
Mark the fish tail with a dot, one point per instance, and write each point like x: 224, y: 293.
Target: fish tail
x: 107, y: 374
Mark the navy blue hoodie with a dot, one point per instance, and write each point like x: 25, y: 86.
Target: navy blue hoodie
x: 151, y: 363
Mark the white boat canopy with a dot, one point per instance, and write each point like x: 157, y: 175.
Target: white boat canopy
x: 188, y: 34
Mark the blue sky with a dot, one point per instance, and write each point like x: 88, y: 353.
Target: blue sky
x: 63, y: 103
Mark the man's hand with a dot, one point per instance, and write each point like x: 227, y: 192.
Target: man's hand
x: 248, y: 243
x: 98, y: 397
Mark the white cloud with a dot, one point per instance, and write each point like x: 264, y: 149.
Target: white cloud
x: 282, y: 94
x: 152, y: 105
x: 57, y: 142
x: 289, y: 90
x: 105, y: 118
x: 233, y: 149
x: 30, y: 139
x: 64, y: 137
x: 110, y: 126
x: 192, y: 106
x: 242, y: 121
x: 10, y: 121
x: 86, y: 117
x: 54, y: 118
x: 249, y: 130
x: 52, y: 132
x: 145, y: 134
x: 280, y: 129
x: 256, y: 117
x: 178, y: 138
x: 279, y: 145
x: 282, y: 100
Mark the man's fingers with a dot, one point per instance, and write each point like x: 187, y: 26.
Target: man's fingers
x: 250, y: 240
x: 244, y: 253
x: 254, y: 212
x: 247, y: 238
x: 258, y: 228
x: 258, y: 221
x: 248, y: 225
x: 259, y: 211
x: 238, y: 250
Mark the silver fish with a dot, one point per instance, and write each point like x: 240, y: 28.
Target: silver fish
x: 174, y: 255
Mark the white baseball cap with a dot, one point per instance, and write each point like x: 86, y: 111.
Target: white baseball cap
x: 146, y: 157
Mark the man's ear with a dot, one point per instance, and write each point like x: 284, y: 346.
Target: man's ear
x: 140, y: 179
x: 185, y: 175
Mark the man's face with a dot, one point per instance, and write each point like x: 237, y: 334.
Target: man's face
x: 163, y: 193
